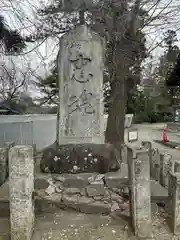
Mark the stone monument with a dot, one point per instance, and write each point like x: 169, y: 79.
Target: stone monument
x: 80, y: 122
x: 81, y: 110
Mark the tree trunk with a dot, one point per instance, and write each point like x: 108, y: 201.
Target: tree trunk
x: 117, y: 110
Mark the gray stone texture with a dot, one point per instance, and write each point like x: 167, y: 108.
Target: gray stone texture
x: 96, y: 189
x: 21, y: 188
x: 3, y: 165
x: 140, y: 195
x: 173, y: 207
x: 155, y: 165
x: 117, y: 179
x: 165, y: 162
x: 176, y: 166
x: 80, y: 158
x: 81, y: 108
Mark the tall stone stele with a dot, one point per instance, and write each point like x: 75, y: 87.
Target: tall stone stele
x: 81, y: 109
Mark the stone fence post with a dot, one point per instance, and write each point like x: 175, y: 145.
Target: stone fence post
x: 174, y: 203
x: 21, y: 188
x: 165, y: 168
x: 3, y: 165
x: 140, y: 192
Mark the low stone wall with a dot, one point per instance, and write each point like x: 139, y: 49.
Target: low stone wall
x: 173, y: 126
x: 87, y: 193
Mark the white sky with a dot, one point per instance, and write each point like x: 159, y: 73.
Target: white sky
x: 22, y: 15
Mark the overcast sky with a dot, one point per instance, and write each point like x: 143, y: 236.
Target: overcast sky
x: 22, y: 15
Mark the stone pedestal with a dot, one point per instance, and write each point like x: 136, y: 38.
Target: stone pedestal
x: 21, y: 188
x: 81, y: 108
x: 3, y: 165
x: 174, y: 203
x: 140, y: 194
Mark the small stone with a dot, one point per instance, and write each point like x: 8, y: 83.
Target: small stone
x: 114, y: 207
x: 50, y: 190
x: 56, y: 158
x: 99, y: 177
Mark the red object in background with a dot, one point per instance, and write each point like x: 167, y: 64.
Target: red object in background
x: 165, y: 135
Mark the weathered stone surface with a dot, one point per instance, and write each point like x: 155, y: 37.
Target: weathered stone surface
x: 71, y: 201
x: 155, y: 164
x: 71, y: 191
x: 158, y: 193
x: 21, y: 188
x: 174, y: 203
x: 76, y: 181
x: 81, y: 109
x: 95, y: 207
x: 114, y: 206
x: 41, y: 184
x: 176, y: 166
x: 116, y: 197
x: 117, y: 179
x: 80, y: 158
x: 96, y: 189
x: 165, y: 162
x: 3, y: 165
x: 140, y: 195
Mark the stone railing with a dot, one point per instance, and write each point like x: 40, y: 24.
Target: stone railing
x: 95, y: 193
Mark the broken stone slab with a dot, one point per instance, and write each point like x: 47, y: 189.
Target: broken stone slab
x: 95, y: 207
x: 77, y: 181
x: 116, y: 197
x: 96, y: 178
x: 80, y: 158
x: 71, y: 191
x: 158, y: 193
x: 96, y: 189
x: 117, y: 179
x: 114, y: 206
x: 71, y: 201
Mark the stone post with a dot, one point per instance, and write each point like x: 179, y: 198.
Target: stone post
x: 21, y: 188
x: 3, y: 165
x: 140, y: 193
x: 165, y: 165
x: 176, y: 166
x: 174, y: 203
x: 155, y: 165
x: 8, y: 146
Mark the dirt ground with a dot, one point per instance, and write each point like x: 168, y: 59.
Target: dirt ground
x: 66, y: 225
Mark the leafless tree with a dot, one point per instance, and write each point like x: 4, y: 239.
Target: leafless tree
x: 13, y: 80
